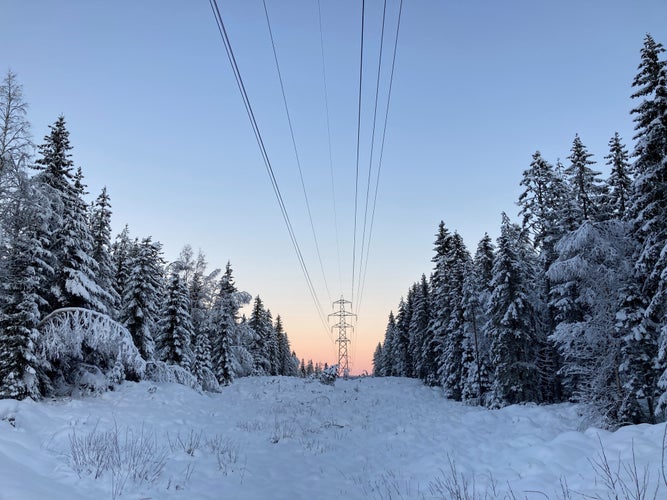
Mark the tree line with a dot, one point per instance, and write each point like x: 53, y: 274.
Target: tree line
x: 568, y: 304
x: 178, y: 320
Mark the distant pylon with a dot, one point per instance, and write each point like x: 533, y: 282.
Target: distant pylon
x: 343, y: 325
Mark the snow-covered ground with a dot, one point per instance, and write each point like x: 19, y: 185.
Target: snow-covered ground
x: 287, y: 438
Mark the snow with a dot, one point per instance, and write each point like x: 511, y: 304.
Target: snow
x: 280, y: 437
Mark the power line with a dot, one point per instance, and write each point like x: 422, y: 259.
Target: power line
x: 384, y: 134
x: 370, y: 161
x: 296, y: 151
x: 331, y: 169
x: 356, y: 180
x: 265, y: 157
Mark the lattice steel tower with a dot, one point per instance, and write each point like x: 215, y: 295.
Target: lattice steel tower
x: 343, y: 325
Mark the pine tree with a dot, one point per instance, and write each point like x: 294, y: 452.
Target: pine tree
x: 418, y: 327
x: 537, y: 200
x: 202, y: 366
x: 390, y: 338
x: 142, y: 296
x: 511, y: 327
x: 439, y: 312
x: 647, y: 213
x: 25, y: 260
x: 593, y: 265
x: 100, y: 227
x: 401, y: 354
x: 223, y: 324
x: 202, y: 287
x: 585, y: 183
x: 476, y: 343
x: 378, y: 369
x: 285, y: 360
x: 620, y: 177
x: 450, y: 341
x: 71, y: 244
x: 174, y: 337
x: 260, y: 323
x: 123, y: 250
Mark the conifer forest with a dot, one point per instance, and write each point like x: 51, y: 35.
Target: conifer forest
x: 81, y: 311
x: 570, y: 302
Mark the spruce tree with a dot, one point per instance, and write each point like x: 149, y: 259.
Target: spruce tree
x: 647, y: 213
x: 390, y: 337
x: 402, y: 358
x: 440, y: 307
x: 100, y: 227
x: 476, y: 344
x: 418, y: 326
x: 71, y: 244
x: 223, y: 325
x: 28, y: 273
x: 142, y: 296
x: 202, y: 366
x: 174, y: 330
x: 511, y: 320
x: 378, y: 370
x: 261, y: 325
x: 620, y: 177
x: 449, y: 341
x: 585, y: 183
x: 593, y: 265
x: 123, y: 250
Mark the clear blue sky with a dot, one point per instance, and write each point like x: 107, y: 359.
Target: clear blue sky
x: 155, y: 115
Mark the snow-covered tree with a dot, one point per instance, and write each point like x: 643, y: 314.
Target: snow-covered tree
x: 647, y: 213
x: 390, y: 338
x: 286, y: 362
x: 402, y: 364
x: 223, y: 325
x: 378, y: 369
x: 71, y: 243
x: 594, y: 260
x: 202, y: 366
x: 476, y: 344
x: 142, y: 296
x: 123, y: 250
x: 25, y: 261
x: 511, y: 326
x: 15, y: 141
x: 450, y: 338
x: 418, y: 327
x: 261, y: 323
x: 174, y: 330
x: 585, y: 183
x: 100, y: 227
x: 439, y: 306
x: 243, y: 342
x: 620, y: 177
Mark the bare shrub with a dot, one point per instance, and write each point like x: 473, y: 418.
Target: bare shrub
x: 125, y: 456
x: 188, y: 443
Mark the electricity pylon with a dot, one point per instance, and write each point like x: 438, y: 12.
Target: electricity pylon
x: 343, y: 325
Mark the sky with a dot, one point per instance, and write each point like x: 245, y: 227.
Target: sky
x: 155, y: 115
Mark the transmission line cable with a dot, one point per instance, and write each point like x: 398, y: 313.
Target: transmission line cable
x: 382, y: 143
x: 331, y: 169
x: 356, y: 179
x: 265, y: 157
x: 296, y: 151
x: 370, y: 161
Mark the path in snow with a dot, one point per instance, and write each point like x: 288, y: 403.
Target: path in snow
x: 277, y: 437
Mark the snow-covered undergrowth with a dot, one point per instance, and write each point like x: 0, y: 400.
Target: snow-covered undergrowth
x: 276, y: 437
